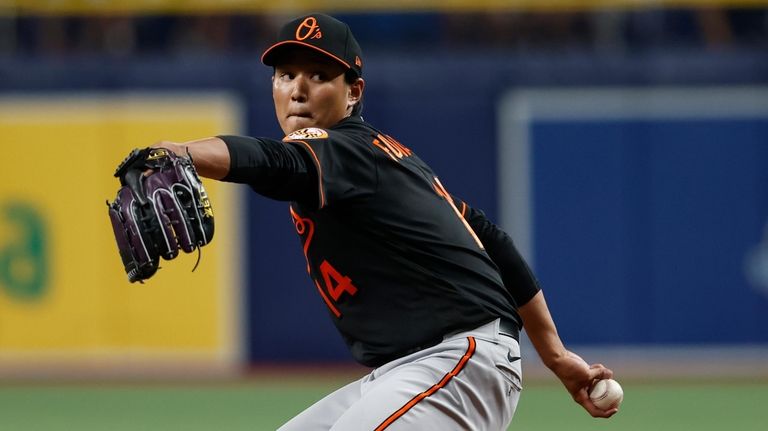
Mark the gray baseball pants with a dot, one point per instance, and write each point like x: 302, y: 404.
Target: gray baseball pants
x: 471, y: 381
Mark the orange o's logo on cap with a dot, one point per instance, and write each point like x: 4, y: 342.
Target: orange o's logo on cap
x: 308, y: 28
x: 358, y: 62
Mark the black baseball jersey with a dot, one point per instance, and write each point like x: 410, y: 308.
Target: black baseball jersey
x: 389, y: 250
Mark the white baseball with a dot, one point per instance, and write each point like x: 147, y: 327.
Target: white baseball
x: 606, y: 394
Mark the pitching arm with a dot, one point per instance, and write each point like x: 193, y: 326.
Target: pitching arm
x: 270, y: 167
x: 210, y: 155
x: 576, y: 375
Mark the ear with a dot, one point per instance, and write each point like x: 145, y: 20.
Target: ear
x: 356, y: 90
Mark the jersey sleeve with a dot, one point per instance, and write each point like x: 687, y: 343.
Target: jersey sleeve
x: 270, y: 168
x: 344, y: 166
x: 515, y: 273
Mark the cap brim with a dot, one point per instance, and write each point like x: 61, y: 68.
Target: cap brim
x: 268, y: 56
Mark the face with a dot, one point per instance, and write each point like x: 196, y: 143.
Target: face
x: 309, y: 90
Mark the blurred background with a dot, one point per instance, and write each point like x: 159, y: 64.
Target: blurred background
x: 623, y: 144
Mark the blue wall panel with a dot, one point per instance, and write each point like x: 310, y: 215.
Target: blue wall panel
x: 645, y: 224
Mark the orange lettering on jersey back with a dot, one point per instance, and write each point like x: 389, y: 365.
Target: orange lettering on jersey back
x: 378, y: 143
x: 394, y: 149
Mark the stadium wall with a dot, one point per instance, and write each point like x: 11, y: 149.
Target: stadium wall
x: 660, y: 221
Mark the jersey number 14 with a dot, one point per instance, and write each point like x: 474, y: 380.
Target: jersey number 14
x: 335, y: 284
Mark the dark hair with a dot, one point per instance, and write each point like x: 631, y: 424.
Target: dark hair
x: 350, y: 77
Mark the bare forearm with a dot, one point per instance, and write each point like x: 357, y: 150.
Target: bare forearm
x: 541, y: 330
x: 210, y: 155
x: 576, y: 375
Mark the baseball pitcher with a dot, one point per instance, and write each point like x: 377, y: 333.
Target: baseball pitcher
x: 423, y: 288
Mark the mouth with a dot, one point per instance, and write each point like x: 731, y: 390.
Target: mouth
x: 305, y: 115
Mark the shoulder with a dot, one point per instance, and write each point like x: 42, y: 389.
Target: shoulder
x: 351, y: 132
x: 340, y: 143
x: 349, y: 127
x: 343, y: 158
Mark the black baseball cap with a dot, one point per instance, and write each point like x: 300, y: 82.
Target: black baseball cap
x: 322, y: 33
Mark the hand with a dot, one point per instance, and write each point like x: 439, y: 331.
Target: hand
x: 179, y: 149
x: 209, y: 155
x: 578, y: 377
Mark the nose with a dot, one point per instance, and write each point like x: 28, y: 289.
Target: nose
x: 299, y: 90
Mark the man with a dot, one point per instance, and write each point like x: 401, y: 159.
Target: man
x: 422, y: 287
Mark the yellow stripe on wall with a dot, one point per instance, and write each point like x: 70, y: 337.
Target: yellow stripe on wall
x: 297, y: 6
x: 64, y: 295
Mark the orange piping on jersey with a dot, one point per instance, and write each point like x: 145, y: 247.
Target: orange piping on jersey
x: 444, y: 193
x: 463, y: 208
x: 447, y: 378
x: 328, y: 302
x: 319, y: 172
x: 301, y: 226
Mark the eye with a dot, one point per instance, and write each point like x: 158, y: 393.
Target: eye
x: 285, y: 76
x: 319, y: 76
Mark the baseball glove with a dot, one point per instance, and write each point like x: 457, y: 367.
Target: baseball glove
x: 161, y: 207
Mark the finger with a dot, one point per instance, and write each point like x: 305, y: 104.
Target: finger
x: 599, y: 372
x: 583, y: 399
x: 605, y: 414
x: 598, y: 366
